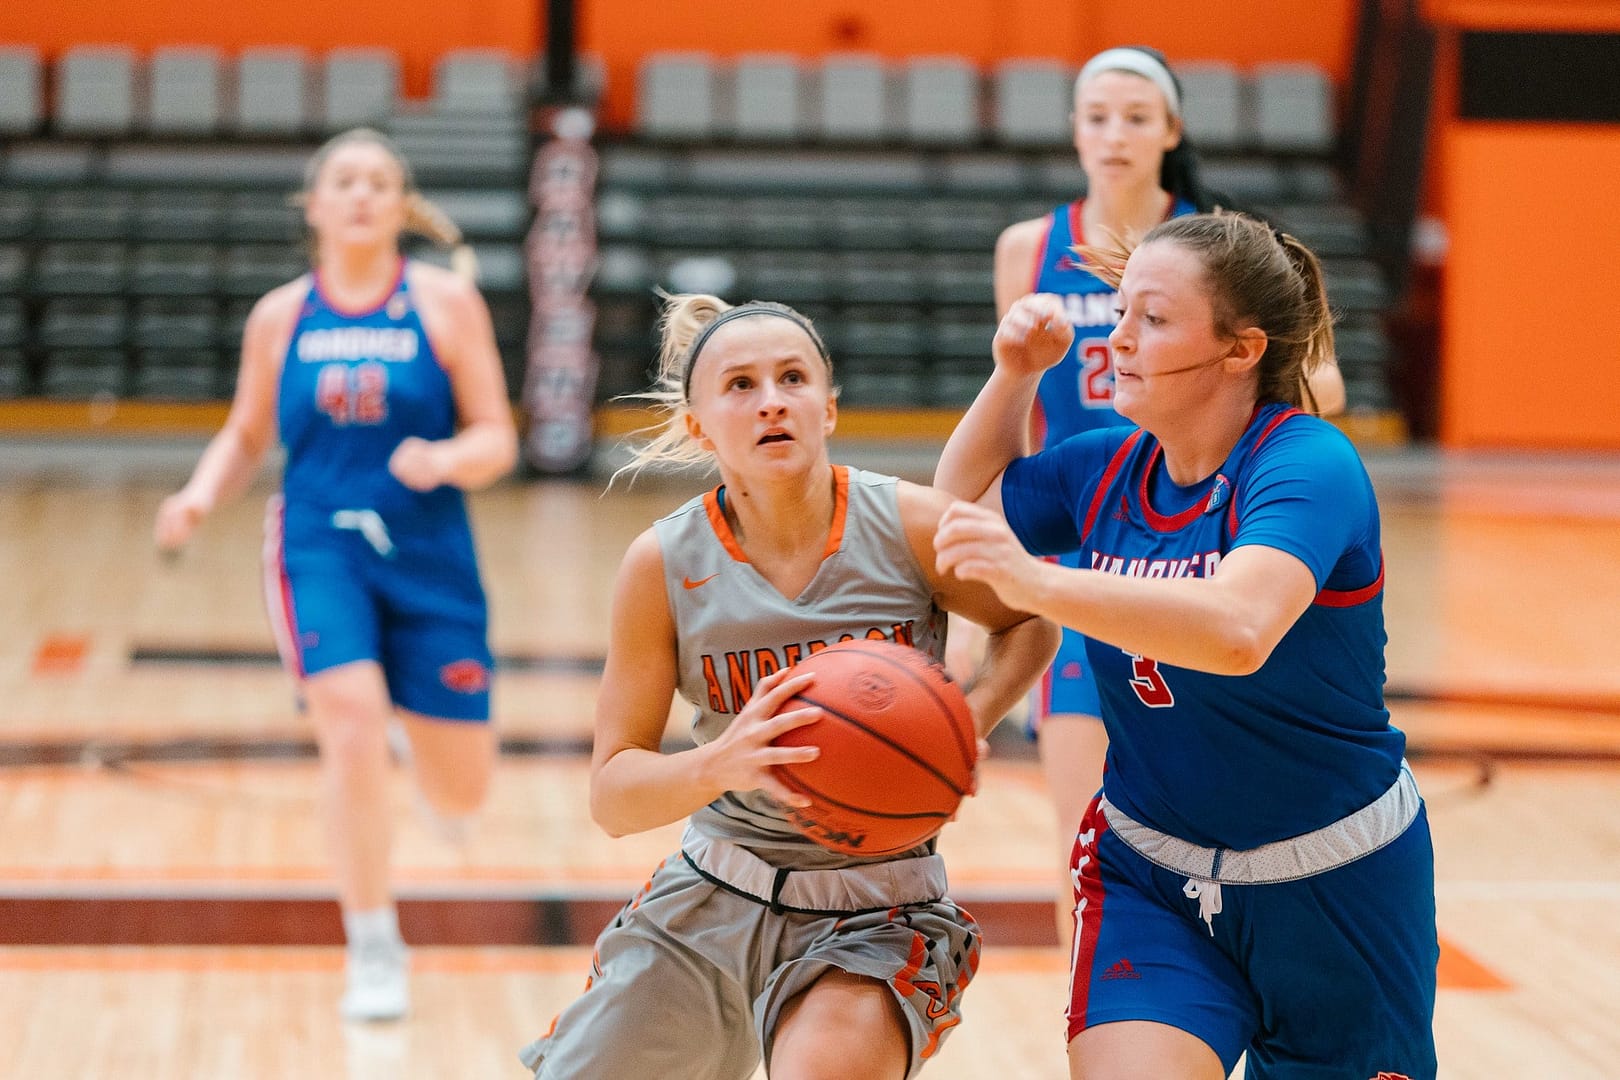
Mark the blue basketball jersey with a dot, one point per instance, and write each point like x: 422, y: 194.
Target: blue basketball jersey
x: 1078, y: 393
x: 353, y: 386
x: 360, y: 567
x: 1231, y: 761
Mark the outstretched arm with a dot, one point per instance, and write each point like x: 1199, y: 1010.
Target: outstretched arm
x: 1227, y: 624
x: 1033, y: 335
x: 1020, y: 646
x: 234, y: 454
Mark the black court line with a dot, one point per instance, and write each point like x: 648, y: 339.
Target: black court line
x: 1007, y: 742
x: 111, y: 753
x: 1599, y: 706
x: 234, y: 920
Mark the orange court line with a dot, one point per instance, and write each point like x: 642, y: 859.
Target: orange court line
x: 61, y: 654
x: 1457, y: 971
x: 1460, y: 971
x: 453, y: 959
x: 437, y: 959
x: 631, y: 877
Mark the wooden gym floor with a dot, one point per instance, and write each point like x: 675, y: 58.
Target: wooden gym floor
x: 164, y: 905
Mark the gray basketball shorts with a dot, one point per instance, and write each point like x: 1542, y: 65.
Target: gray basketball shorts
x: 690, y: 977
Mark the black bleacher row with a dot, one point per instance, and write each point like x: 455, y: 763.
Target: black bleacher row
x: 890, y: 252
x: 143, y: 199
x: 127, y: 267
x: 144, y: 292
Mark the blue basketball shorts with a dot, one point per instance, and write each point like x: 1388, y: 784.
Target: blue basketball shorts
x: 1329, y: 976
x: 418, y: 611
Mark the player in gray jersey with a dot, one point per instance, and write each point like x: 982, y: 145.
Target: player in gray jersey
x: 751, y: 939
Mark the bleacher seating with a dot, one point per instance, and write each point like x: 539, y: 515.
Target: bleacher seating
x: 855, y: 101
x: 96, y: 91
x: 880, y: 218
x: 767, y: 99
x: 272, y: 94
x: 676, y: 97
x: 941, y: 95
x: 183, y: 94
x: 1215, y: 106
x: 21, y: 90
x: 1032, y: 103
x: 359, y: 87
x: 1293, y: 109
x: 141, y: 218
x: 478, y: 83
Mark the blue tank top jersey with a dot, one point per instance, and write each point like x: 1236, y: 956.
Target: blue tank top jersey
x: 1231, y: 761
x: 353, y: 386
x: 1078, y: 393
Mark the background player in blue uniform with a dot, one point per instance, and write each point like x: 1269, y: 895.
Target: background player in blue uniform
x: 381, y: 378
x: 1140, y: 170
x: 1256, y: 873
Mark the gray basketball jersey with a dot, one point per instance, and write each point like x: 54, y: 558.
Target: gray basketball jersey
x: 733, y: 628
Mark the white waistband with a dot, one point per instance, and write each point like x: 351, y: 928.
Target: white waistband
x: 868, y: 887
x: 1351, y: 837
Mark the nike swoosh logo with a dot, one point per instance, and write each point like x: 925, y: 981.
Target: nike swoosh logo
x: 690, y: 584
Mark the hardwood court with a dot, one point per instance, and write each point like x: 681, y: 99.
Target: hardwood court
x: 164, y: 905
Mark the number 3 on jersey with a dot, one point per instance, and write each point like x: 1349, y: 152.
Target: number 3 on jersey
x: 1149, y: 685
x: 353, y: 395
x: 1096, y: 373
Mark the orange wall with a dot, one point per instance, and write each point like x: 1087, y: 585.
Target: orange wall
x: 1244, y: 31
x: 622, y: 31
x: 419, y: 30
x: 1531, y: 357
x: 1560, y: 15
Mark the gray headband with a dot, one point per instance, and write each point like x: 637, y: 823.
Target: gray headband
x: 739, y: 312
x: 1136, y: 62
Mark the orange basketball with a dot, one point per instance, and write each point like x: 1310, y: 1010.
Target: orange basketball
x: 897, y: 743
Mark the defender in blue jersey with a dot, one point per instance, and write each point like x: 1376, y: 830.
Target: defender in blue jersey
x: 382, y: 379
x: 1256, y: 875
x: 1140, y: 170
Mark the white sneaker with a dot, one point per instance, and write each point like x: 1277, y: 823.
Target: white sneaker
x: 377, y: 984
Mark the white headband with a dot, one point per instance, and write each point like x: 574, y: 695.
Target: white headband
x: 1136, y: 62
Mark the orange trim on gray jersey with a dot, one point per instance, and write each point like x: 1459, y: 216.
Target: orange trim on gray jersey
x: 835, y: 535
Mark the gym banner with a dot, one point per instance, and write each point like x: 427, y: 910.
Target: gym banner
x: 560, y: 380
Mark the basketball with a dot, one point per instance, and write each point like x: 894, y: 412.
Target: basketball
x: 898, y: 746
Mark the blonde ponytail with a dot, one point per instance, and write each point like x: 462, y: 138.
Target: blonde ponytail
x: 667, y: 442
x: 1317, y: 350
x: 423, y: 217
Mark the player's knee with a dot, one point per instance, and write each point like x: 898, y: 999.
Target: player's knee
x: 350, y: 727
x: 872, y: 1038
x: 453, y: 764
x: 456, y: 792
